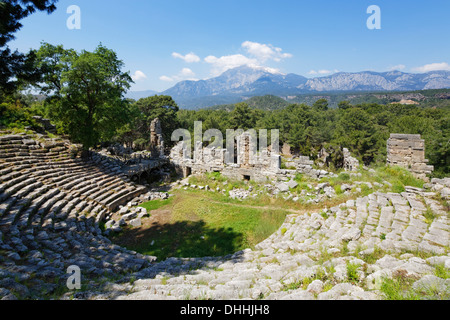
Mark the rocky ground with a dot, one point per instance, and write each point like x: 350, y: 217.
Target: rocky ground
x: 345, y: 252
x: 311, y: 192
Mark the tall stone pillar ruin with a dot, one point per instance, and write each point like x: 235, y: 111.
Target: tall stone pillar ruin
x: 408, y: 151
x: 156, y: 138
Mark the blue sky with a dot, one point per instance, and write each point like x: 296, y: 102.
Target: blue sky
x: 165, y: 41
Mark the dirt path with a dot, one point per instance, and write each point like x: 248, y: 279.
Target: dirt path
x: 303, y: 211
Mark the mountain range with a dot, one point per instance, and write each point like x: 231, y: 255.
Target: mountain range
x: 243, y: 82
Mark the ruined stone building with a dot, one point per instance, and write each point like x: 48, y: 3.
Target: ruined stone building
x: 246, y: 164
x: 350, y: 163
x: 156, y: 138
x: 408, y: 151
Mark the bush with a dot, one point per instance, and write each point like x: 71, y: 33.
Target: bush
x: 14, y: 115
x: 338, y: 189
x: 352, y: 272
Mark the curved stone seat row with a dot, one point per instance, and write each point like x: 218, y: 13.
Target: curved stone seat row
x: 51, y: 206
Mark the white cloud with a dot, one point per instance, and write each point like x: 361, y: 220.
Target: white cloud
x: 138, y: 76
x: 258, y: 55
x: 189, y: 58
x: 225, y: 63
x: 166, y: 79
x: 397, y: 67
x: 314, y: 72
x: 184, y: 74
x: 433, y: 67
x: 265, y: 52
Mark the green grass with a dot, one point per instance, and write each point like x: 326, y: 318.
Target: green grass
x: 398, y: 177
x: 156, y: 204
x: 352, y: 273
x: 429, y: 216
x: 442, y: 272
x: 398, y: 288
x: 201, y: 226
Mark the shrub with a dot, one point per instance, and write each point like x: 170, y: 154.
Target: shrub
x: 352, y: 272
x: 344, y: 176
x: 338, y: 189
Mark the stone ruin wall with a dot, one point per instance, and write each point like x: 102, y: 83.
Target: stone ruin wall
x: 267, y: 166
x: 350, y: 163
x: 156, y: 138
x: 405, y: 150
x: 211, y: 159
x: 408, y: 151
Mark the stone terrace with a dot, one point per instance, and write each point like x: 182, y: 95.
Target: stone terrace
x: 50, y: 208
x: 318, y: 247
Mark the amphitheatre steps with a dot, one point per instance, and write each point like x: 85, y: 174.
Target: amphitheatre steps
x: 381, y: 235
x: 51, y: 205
x: 27, y: 165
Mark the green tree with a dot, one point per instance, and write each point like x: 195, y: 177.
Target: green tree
x: 242, y: 117
x: 85, y: 91
x: 14, y: 65
x: 321, y: 105
x: 162, y: 107
x: 356, y: 130
x: 344, y: 105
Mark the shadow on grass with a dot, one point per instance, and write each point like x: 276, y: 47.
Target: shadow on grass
x: 183, y: 239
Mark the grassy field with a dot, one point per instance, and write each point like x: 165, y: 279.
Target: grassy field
x: 198, y: 224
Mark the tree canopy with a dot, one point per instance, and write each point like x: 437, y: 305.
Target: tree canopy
x: 85, y: 91
x: 15, y: 65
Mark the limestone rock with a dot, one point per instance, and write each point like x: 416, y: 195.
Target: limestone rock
x: 136, y: 223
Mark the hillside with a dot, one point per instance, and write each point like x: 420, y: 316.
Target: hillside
x: 267, y: 102
x: 426, y: 98
x: 242, y: 83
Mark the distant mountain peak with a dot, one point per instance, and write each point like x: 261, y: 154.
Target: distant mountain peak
x: 248, y: 81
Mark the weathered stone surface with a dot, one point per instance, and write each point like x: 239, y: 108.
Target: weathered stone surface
x: 283, y: 187
x: 408, y: 151
x: 135, y: 223
x: 431, y: 283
